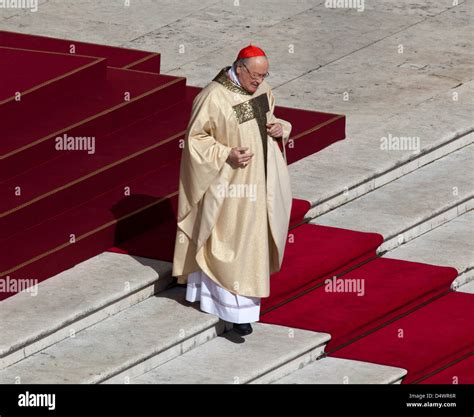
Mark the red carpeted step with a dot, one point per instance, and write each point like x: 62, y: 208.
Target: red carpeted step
x: 52, y: 73
x: 387, y: 288
x: 323, y: 128
x: 86, y: 230
x: 460, y: 372
x: 126, y: 97
x: 314, y: 253
x: 118, y: 157
x: 159, y: 243
x: 423, y: 341
x: 116, y: 56
x: 299, y: 208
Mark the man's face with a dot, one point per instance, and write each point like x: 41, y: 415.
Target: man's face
x: 251, y: 76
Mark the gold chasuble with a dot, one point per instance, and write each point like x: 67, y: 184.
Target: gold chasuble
x: 232, y: 222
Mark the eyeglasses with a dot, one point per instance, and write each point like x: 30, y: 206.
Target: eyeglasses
x: 254, y: 76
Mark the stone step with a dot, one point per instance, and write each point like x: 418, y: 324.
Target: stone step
x: 411, y: 205
x: 76, y: 299
x: 121, y: 347
x: 467, y: 288
x: 449, y: 245
x: 266, y: 355
x: 345, y: 185
x: 344, y: 371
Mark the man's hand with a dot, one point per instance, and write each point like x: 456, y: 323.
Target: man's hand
x: 275, y: 130
x: 239, y: 157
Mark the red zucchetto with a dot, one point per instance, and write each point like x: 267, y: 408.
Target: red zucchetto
x: 250, y: 51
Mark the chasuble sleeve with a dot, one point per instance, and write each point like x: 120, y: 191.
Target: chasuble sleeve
x: 272, y: 119
x: 203, y: 154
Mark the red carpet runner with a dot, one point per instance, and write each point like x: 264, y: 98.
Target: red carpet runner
x: 363, y: 299
x: 423, y: 341
x: 461, y: 372
x: 380, y: 311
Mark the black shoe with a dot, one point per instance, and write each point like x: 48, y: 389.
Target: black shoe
x: 243, y: 328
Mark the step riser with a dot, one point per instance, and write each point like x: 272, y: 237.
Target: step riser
x: 149, y: 65
x: 290, y: 366
x: 402, y: 169
x: 326, y: 371
x: 110, y: 121
x: 134, y: 370
x: 427, y: 225
x: 463, y: 278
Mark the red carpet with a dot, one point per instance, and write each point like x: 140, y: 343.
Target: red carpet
x: 116, y: 57
x: 461, y: 372
x: 314, y: 253
x: 16, y: 74
x: 388, y: 288
x: 90, y: 113
x: 106, y: 220
x: 125, y: 154
x: 423, y: 341
x: 73, y: 193
x: 299, y: 209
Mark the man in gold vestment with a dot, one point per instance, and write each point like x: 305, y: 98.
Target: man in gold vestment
x: 234, y: 193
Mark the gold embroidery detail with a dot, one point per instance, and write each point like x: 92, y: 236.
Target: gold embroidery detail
x: 244, y: 111
x: 255, y: 108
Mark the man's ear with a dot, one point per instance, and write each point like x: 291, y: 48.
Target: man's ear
x: 238, y: 69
